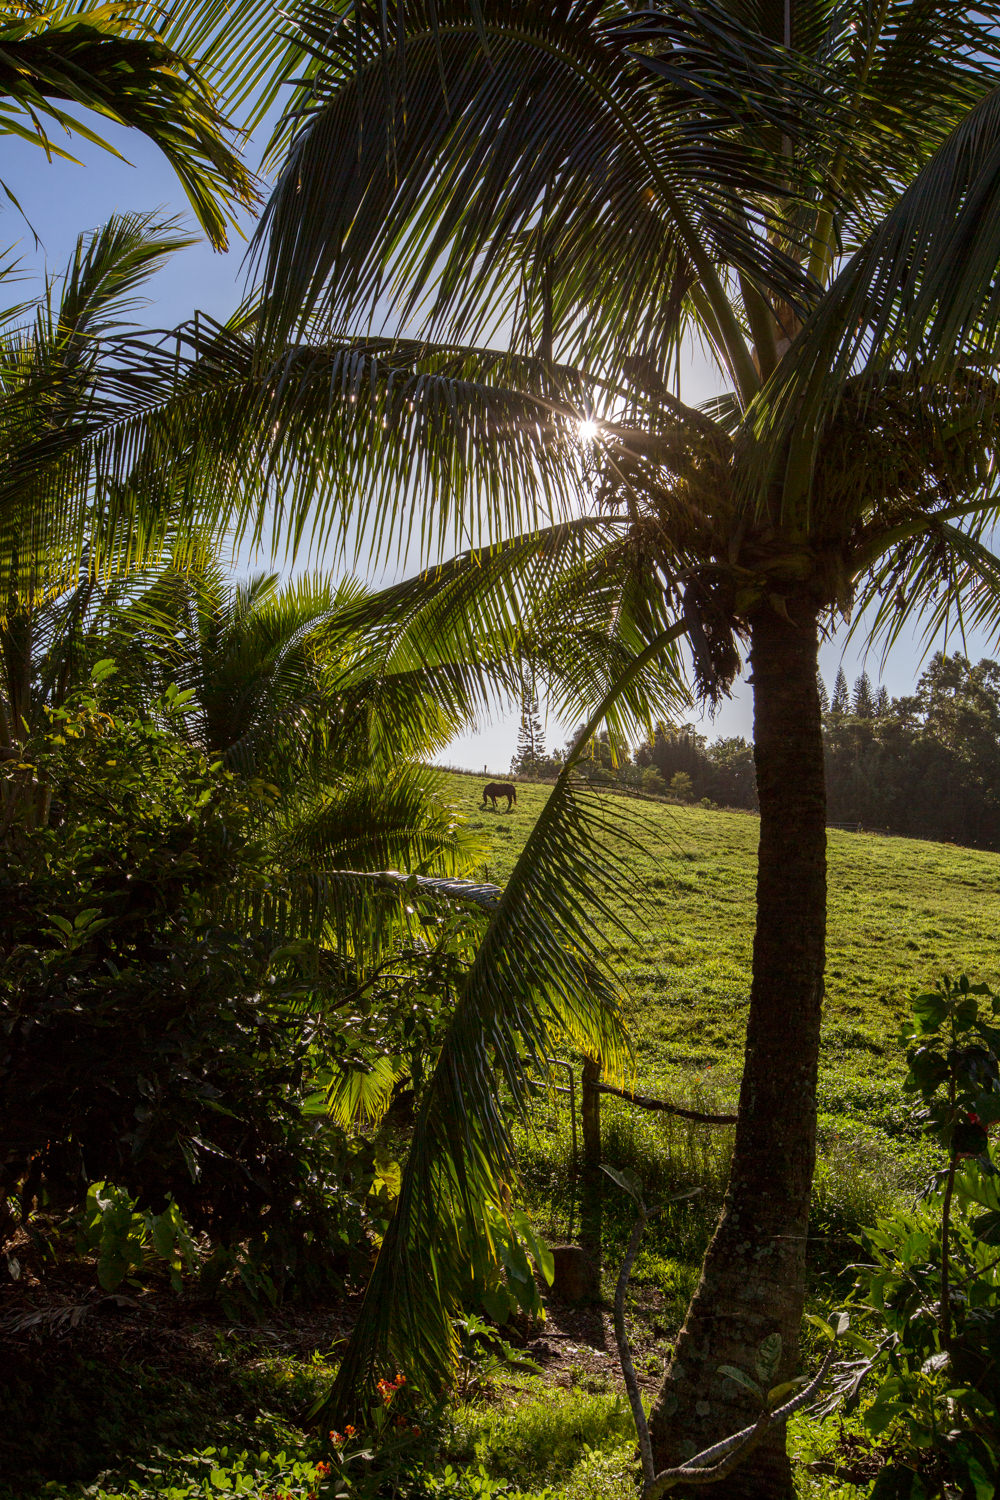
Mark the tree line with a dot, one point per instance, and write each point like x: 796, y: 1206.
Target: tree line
x: 924, y: 765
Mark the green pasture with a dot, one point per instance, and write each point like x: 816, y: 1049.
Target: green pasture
x: 901, y: 913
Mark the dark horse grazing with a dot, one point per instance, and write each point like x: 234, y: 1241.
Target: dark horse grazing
x: 500, y: 789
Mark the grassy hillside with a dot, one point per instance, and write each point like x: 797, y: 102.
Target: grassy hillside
x: 901, y: 913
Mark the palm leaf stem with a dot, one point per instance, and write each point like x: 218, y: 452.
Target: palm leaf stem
x: 866, y: 556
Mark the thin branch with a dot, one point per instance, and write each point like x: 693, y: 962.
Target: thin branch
x: 645, y: 1101
x: 625, y: 1352
x: 731, y: 1450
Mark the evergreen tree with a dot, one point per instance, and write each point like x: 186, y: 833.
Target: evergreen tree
x: 841, y: 703
x: 863, y: 702
x: 530, y: 737
x: 824, y: 696
x: 881, y: 703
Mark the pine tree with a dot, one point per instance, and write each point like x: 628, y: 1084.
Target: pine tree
x: 881, y: 703
x: 841, y: 703
x: 863, y: 703
x: 530, y: 737
x: 824, y: 696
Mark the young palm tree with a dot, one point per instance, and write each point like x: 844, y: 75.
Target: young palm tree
x: 62, y: 384
x: 810, y: 190
x: 283, y: 686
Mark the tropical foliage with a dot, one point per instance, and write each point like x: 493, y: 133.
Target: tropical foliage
x: 543, y: 205
x: 169, y: 72
x: 932, y: 1291
x: 593, y: 187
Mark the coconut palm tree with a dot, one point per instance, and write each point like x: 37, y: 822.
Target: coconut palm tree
x: 808, y: 189
x: 582, y: 189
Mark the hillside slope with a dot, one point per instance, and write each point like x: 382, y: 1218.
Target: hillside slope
x: 901, y: 913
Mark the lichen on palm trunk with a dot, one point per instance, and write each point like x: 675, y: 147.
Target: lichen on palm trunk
x: 753, y: 1278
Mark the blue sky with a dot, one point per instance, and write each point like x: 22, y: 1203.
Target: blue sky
x: 60, y: 200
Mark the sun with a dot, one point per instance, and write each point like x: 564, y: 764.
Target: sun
x: 586, y: 431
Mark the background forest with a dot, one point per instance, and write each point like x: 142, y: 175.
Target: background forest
x: 920, y: 766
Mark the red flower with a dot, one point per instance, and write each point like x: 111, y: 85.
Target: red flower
x: 388, y: 1388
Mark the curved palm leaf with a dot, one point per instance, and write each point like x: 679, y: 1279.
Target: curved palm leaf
x: 470, y: 141
x: 113, y: 59
x: 920, y: 294
x: 60, y: 382
x: 348, y: 436
x: 461, y: 1164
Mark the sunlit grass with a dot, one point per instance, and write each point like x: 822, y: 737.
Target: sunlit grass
x: 579, y: 1445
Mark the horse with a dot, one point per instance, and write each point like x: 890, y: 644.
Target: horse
x: 500, y: 789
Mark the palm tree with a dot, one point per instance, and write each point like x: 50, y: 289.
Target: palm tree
x: 169, y: 72
x: 283, y: 686
x: 59, y: 384
x: 62, y: 383
x: 588, y: 188
x: 810, y: 191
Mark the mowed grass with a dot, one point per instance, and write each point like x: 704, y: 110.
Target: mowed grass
x: 901, y: 913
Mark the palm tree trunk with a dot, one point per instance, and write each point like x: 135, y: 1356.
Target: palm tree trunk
x: 753, y: 1278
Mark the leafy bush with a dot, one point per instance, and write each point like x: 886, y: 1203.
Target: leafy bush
x: 124, y: 1238
x: 933, y: 1285
x: 148, y: 1036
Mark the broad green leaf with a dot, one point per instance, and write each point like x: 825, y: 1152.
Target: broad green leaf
x: 741, y: 1378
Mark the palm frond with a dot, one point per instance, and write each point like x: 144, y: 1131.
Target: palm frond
x: 338, y: 444
x: 943, y: 578
x: 60, y: 382
x: 921, y: 294
x: 394, y: 820
x: 496, y: 164
x: 461, y: 1166
x: 113, y: 59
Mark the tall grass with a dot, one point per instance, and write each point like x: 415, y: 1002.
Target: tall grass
x: 861, y: 1176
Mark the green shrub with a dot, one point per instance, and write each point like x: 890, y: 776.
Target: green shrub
x: 147, y: 1039
x: 932, y: 1287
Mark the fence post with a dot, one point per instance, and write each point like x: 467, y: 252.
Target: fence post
x: 590, y: 1101
x: 591, y: 1190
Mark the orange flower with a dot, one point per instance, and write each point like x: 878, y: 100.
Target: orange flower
x: 336, y: 1439
x: 322, y: 1470
x: 349, y: 1431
